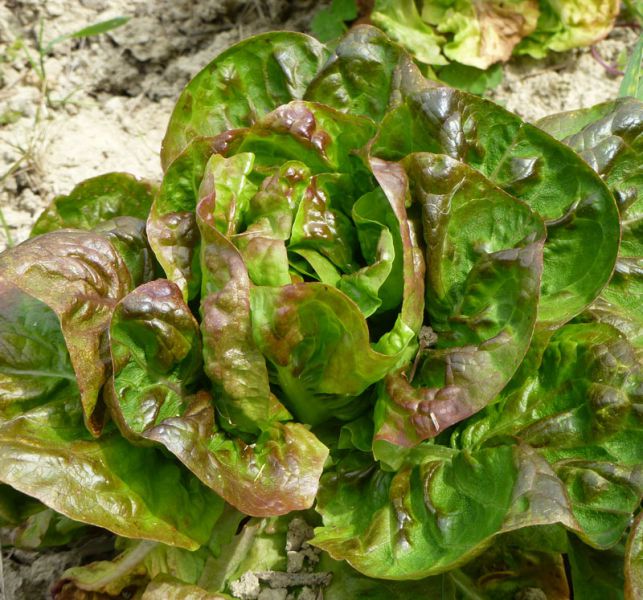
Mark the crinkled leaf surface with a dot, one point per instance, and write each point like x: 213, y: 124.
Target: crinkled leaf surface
x: 157, y: 355
x: 246, y: 82
x: 46, y: 453
x: 484, y: 260
x: 577, y: 399
x: 634, y: 561
x: 95, y: 200
x: 609, y: 137
x: 527, y: 163
x: 417, y: 521
x: 361, y: 75
x: 485, y: 31
x: 80, y: 276
x: 567, y: 24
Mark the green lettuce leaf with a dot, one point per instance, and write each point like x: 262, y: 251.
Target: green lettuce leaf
x: 609, y: 137
x: 47, y: 453
x: 484, y: 259
x: 530, y: 165
x: 566, y: 24
x: 401, y: 21
x: 246, y: 81
x: 483, y: 32
x: 96, y: 200
x: 416, y: 522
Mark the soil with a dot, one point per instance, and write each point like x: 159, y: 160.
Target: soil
x: 103, y: 104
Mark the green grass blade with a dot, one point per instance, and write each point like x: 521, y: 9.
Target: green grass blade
x: 632, y: 84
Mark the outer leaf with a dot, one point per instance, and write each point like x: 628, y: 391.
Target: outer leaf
x: 46, y: 453
x: 128, y: 236
x: 156, y: 354
x: 530, y: 165
x: 484, y: 263
x: 246, y: 81
x: 417, y: 522
x: 576, y: 400
x: 95, y: 200
x: 34, y: 361
x: 80, y: 276
x: 361, y: 75
x: 634, y: 561
x: 610, y: 138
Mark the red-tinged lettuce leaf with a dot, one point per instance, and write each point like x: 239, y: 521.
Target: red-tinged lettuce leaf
x: 46, y: 453
x: 157, y: 355
x: 245, y: 82
x: 324, y: 139
x: 526, y: 162
x: 609, y: 137
x: 394, y: 183
x: 80, y: 276
x: 171, y: 224
x: 362, y: 75
x: 484, y: 260
x: 95, y: 200
x: 232, y: 360
x: 634, y: 561
x: 129, y: 238
x: 418, y: 521
x: 576, y: 399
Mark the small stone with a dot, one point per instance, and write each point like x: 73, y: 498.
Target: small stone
x: 298, y: 532
x: 269, y: 594
x: 246, y: 587
x: 295, y: 561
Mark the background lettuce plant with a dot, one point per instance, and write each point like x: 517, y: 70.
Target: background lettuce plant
x: 352, y: 289
x: 462, y: 42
